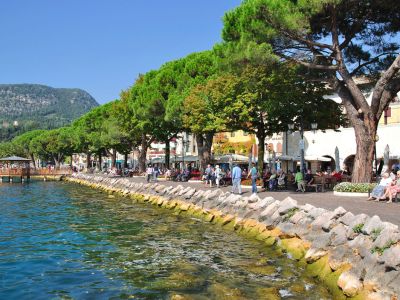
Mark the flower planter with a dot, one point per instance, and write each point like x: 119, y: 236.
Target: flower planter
x: 350, y: 194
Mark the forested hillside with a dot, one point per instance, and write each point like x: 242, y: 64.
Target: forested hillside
x: 25, y: 107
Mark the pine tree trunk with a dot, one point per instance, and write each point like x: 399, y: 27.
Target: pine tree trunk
x: 100, y: 161
x: 88, y: 161
x: 204, y: 144
x: 363, y: 163
x: 167, y: 153
x: 33, y: 161
x: 56, y: 162
x: 261, y: 151
x: 143, y: 154
x: 113, y: 158
x: 125, y: 160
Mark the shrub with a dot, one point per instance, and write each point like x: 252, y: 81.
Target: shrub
x: 350, y: 187
x: 291, y: 212
x: 385, y: 247
x: 375, y: 233
x: 358, y: 228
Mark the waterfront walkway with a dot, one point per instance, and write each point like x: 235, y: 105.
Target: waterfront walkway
x: 389, y: 212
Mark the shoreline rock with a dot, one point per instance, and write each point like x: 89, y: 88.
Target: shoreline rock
x: 355, y: 256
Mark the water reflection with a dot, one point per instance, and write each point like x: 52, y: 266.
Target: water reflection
x: 62, y: 240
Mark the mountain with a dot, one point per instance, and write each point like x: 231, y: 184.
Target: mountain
x: 26, y: 107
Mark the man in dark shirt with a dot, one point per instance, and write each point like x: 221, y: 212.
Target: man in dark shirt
x: 309, y: 179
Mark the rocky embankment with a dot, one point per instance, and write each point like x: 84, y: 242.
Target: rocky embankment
x: 356, y: 256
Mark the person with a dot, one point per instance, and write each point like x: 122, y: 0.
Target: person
x: 217, y: 174
x: 298, y: 179
x: 337, y: 176
x: 208, y: 173
x: 273, y: 180
x: 392, y: 189
x: 281, y: 178
x: 267, y: 175
x: 149, y: 172
x: 254, y: 175
x: 346, y: 171
x: 236, y: 178
x: 155, y: 173
x: 168, y: 174
x: 393, y: 174
x: 185, y: 175
x: 379, y: 190
x: 309, y: 179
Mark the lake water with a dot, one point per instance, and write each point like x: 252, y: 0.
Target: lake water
x: 64, y: 241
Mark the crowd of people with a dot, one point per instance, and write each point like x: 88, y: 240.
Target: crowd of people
x: 271, y: 179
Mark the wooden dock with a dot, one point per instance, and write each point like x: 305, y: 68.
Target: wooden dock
x: 25, y: 174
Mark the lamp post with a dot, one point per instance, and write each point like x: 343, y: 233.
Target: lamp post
x: 314, y: 127
x: 375, y: 158
x: 184, y: 143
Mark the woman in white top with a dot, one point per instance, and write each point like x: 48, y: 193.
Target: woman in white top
x: 379, y: 190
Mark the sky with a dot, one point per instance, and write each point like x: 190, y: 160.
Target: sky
x: 102, y: 45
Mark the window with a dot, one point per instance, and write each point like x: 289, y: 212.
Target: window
x: 245, y: 133
x: 232, y: 134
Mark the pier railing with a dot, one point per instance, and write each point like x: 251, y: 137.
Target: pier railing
x: 25, y: 172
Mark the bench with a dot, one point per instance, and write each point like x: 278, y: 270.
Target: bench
x: 318, y: 184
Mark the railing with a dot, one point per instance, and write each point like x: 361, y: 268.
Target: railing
x: 50, y: 172
x: 33, y: 172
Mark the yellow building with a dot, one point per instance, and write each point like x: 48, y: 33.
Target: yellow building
x: 392, y: 114
x: 237, y: 142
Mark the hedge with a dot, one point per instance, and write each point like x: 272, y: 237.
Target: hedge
x: 350, y: 187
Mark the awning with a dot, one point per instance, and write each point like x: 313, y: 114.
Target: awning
x: 15, y: 159
x: 285, y: 157
x: 158, y: 160
x: 231, y: 158
x: 173, y: 159
x: 313, y: 158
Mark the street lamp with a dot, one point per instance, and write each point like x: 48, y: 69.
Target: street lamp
x: 184, y: 143
x: 314, y: 127
x: 375, y: 158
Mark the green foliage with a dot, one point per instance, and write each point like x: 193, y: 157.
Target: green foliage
x: 349, y: 187
x: 358, y: 228
x: 380, y: 250
x: 291, y: 212
x: 292, y: 29
x: 375, y: 233
x: 335, y: 40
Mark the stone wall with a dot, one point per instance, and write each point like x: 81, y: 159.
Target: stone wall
x: 356, y: 256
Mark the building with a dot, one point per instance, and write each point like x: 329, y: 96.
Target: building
x: 320, y: 147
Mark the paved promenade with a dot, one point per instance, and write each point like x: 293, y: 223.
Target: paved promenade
x: 389, y: 212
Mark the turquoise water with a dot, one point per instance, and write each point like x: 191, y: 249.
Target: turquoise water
x: 63, y: 241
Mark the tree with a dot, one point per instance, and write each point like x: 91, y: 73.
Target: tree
x: 274, y: 96
x: 261, y: 100
x: 210, y: 108
x: 53, y: 144
x: 6, y: 149
x: 22, y: 144
x: 337, y: 40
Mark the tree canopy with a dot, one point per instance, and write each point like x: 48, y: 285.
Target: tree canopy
x: 337, y: 41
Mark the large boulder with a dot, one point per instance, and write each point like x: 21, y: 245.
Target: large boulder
x: 373, y: 225
x: 286, y: 205
x: 391, y: 258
